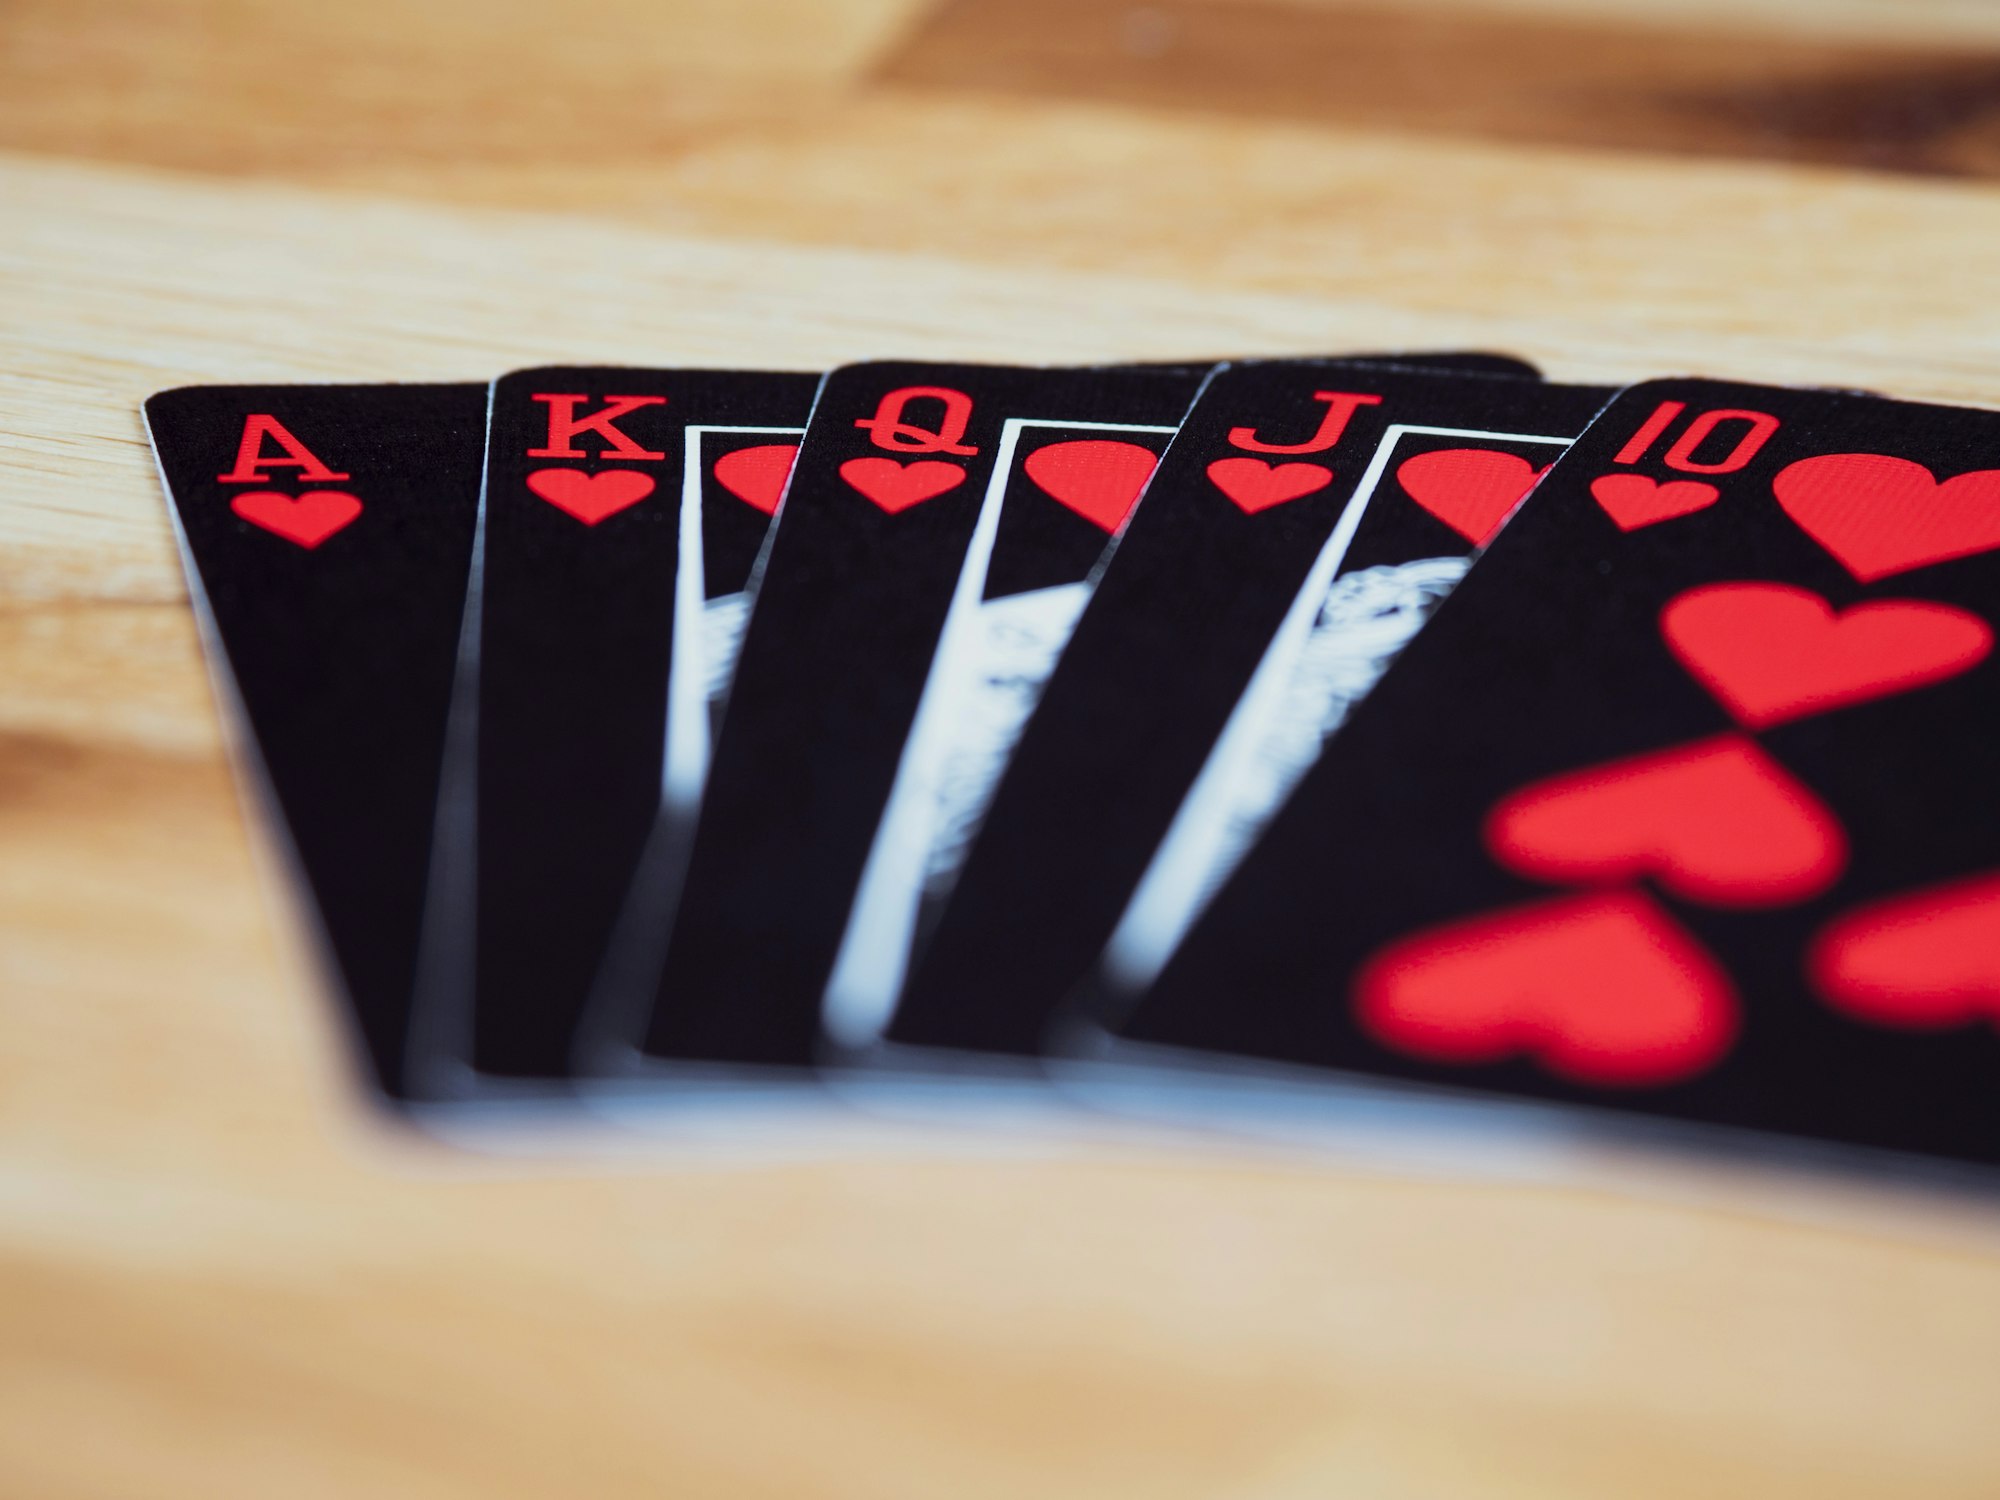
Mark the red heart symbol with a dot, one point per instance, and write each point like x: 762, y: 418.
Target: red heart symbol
x: 1604, y: 989
x: 1255, y: 485
x: 1471, y: 490
x: 591, y: 497
x: 1717, y: 821
x: 757, y: 476
x: 1633, y: 500
x: 1882, y: 515
x: 896, y: 486
x: 306, y: 520
x: 1770, y: 652
x: 1926, y: 960
x: 1098, y: 479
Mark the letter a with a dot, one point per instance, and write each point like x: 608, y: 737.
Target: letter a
x: 251, y: 460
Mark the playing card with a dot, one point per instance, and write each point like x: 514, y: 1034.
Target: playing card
x: 326, y: 532
x: 1681, y: 807
x: 623, y: 513
x: 1300, y: 527
x: 923, y: 492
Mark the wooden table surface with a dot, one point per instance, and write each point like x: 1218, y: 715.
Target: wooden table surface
x: 221, y: 1277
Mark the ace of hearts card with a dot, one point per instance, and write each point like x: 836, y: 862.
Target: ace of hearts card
x: 326, y: 533
x: 1681, y: 807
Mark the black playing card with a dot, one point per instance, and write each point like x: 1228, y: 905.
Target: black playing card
x: 1681, y: 807
x: 623, y: 513
x: 1287, y: 481
x: 326, y: 532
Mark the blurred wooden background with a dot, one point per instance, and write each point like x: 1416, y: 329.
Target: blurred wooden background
x: 220, y: 1279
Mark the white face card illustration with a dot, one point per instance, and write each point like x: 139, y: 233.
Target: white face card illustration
x: 1001, y: 639
x: 708, y: 632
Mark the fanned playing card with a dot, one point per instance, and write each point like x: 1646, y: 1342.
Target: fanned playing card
x: 326, y: 532
x: 1681, y: 807
x: 1300, y: 528
x: 624, y: 511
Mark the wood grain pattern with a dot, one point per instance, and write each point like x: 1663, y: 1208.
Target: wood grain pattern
x: 1626, y: 82
x: 235, y: 86
x: 219, y: 1278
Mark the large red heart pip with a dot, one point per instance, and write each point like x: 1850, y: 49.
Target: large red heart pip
x: 1098, y: 479
x: 1927, y: 960
x: 1471, y: 490
x: 1255, y: 485
x: 1633, y: 500
x: 1603, y: 989
x: 1770, y: 652
x: 897, y: 486
x: 304, y: 520
x: 757, y: 476
x: 591, y: 497
x: 1717, y: 821
x: 1882, y: 515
